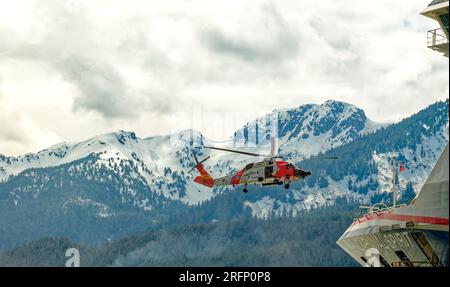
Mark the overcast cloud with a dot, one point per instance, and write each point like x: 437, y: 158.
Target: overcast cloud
x: 72, y: 69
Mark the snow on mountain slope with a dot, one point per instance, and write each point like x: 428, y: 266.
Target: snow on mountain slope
x: 304, y: 198
x: 160, y: 160
x: 418, y: 162
x: 164, y: 160
x: 117, y: 144
x: 303, y: 131
x: 308, y: 129
x: 364, y: 170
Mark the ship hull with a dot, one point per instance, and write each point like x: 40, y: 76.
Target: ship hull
x: 395, y: 245
x: 408, y: 235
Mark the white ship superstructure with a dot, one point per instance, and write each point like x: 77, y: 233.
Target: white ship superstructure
x: 407, y: 235
x: 438, y: 38
x: 413, y: 235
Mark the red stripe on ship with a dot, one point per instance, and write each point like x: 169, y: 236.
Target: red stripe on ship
x: 402, y: 217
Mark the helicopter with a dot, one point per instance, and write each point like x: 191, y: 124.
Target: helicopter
x: 272, y: 170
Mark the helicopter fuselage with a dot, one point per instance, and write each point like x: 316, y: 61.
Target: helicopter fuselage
x: 267, y: 172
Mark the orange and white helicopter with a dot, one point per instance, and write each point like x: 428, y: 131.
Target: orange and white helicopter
x: 269, y: 171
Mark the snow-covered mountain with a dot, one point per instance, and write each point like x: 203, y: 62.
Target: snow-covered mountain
x: 308, y: 129
x: 159, y: 161
x: 371, y: 180
x: 119, y: 177
x: 162, y: 161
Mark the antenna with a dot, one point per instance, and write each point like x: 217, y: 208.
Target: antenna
x: 394, y: 201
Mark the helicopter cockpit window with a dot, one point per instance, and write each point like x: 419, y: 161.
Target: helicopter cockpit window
x: 249, y: 166
x: 268, y: 171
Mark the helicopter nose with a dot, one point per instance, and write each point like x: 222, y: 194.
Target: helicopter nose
x: 301, y: 173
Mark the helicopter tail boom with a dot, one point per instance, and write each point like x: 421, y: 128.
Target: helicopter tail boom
x: 204, y: 178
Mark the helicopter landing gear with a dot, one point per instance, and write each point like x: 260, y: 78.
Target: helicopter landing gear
x: 245, y: 190
x: 286, y: 185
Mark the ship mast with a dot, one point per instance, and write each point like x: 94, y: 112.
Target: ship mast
x: 394, y: 201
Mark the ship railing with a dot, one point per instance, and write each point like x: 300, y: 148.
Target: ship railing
x: 411, y: 264
x: 436, y: 38
x: 378, y: 208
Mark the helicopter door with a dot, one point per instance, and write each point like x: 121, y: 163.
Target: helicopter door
x: 259, y: 176
x: 268, y: 171
x: 259, y: 173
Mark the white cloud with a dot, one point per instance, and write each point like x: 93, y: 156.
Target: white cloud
x: 73, y: 69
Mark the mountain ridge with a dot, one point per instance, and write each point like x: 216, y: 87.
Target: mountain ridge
x: 57, y: 154
x: 120, y: 194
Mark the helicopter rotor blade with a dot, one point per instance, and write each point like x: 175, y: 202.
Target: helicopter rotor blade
x: 196, y: 159
x: 235, y: 151
x: 320, y: 157
x: 206, y: 158
x: 325, y: 157
x: 290, y: 157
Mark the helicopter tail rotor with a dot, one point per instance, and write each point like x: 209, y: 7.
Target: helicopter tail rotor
x: 204, y: 178
x: 198, y: 163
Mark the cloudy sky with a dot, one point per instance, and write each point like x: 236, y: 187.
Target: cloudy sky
x: 70, y: 70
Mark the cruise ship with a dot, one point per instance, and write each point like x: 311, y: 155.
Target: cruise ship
x: 413, y: 235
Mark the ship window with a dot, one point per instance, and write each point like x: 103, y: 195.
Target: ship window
x: 444, y: 20
x: 404, y: 259
x: 384, y: 262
